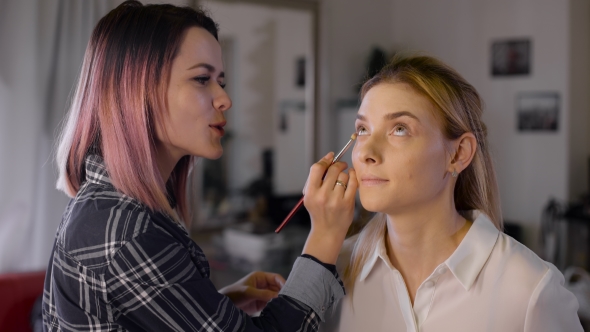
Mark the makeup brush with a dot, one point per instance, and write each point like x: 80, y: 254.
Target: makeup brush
x: 336, y: 159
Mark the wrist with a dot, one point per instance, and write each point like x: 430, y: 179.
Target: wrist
x: 324, y: 247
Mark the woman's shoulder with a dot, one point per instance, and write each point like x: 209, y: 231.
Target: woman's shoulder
x: 98, y: 222
x: 519, y: 263
x: 539, y: 286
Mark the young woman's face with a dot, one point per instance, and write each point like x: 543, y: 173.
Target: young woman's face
x: 400, y: 155
x: 196, y: 100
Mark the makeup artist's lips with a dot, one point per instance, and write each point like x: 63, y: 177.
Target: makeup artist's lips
x: 218, y: 127
x: 370, y: 181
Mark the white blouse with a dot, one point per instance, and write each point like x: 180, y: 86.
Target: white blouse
x: 490, y: 283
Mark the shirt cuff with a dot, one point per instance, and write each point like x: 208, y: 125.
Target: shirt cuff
x: 330, y: 267
x: 314, y: 285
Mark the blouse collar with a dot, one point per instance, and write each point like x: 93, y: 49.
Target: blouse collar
x: 465, y: 263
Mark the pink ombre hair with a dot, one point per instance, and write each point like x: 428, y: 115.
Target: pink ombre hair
x: 119, y: 99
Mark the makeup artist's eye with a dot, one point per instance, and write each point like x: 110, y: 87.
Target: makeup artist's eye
x: 400, y: 130
x: 202, y: 79
x: 361, y: 131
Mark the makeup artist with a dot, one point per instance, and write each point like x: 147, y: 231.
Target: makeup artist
x: 150, y: 100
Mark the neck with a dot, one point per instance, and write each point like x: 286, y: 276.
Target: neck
x: 420, y: 240
x: 166, y: 161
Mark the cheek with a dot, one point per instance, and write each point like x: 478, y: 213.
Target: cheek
x: 427, y: 166
x: 356, y: 162
x: 188, y: 107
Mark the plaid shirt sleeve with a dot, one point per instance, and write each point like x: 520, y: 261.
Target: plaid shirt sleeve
x: 158, y: 288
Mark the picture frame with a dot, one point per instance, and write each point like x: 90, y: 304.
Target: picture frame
x: 511, y: 57
x: 538, y: 111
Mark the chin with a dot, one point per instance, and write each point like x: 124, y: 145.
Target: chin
x: 373, y: 203
x: 213, y: 153
x: 216, y: 154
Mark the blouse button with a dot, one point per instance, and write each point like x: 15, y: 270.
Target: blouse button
x: 429, y: 284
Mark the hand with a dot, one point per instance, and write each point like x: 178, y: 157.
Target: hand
x: 252, y: 292
x: 330, y: 206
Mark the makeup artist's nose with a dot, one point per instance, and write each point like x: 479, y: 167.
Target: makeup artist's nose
x: 221, y: 100
x: 367, y: 151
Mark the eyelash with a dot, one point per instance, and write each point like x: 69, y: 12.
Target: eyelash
x: 399, y: 125
x: 358, y: 130
x: 204, y: 79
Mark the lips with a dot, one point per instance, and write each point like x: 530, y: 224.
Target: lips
x: 371, y: 180
x: 218, y: 127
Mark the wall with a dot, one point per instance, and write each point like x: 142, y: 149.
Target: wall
x: 20, y: 121
x: 579, y: 83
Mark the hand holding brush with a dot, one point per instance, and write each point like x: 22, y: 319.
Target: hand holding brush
x: 329, y: 198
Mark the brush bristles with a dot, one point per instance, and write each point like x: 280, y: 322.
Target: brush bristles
x: 353, y: 136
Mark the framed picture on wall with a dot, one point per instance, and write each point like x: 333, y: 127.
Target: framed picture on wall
x: 538, y: 111
x: 511, y: 57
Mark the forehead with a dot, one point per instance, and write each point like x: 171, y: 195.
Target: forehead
x: 199, y: 46
x: 385, y: 98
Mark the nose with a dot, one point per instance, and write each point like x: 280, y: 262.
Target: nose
x: 221, y: 101
x: 367, y: 150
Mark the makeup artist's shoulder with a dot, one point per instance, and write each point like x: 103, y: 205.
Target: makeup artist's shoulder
x: 345, y: 254
x: 100, y: 210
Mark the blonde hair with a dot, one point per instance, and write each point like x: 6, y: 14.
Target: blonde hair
x: 460, y: 108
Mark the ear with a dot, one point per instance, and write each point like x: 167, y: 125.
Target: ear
x: 464, y: 147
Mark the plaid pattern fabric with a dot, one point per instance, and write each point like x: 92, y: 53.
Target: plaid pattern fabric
x: 117, y: 266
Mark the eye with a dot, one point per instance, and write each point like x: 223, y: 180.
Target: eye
x: 400, y: 130
x: 221, y: 84
x: 361, y: 131
x: 202, y: 79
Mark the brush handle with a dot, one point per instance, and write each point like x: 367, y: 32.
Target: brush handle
x: 290, y: 215
x: 336, y: 159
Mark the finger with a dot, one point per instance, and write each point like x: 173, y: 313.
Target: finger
x: 272, y: 281
x: 261, y: 294
x: 333, y: 172
x: 275, y: 279
x: 341, y: 183
x: 352, y: 185
x: 318, y: 169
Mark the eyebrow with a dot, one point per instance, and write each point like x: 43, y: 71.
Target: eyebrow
x: 208, y: 67
x: 390, y: 116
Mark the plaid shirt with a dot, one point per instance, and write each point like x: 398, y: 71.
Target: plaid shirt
x: 118, y: 266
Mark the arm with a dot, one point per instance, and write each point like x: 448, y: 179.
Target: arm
x: 153, y: 285
x: 552, y: 307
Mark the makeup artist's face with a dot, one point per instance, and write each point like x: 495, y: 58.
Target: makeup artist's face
x: 400, y: 154
x: 196, y: 98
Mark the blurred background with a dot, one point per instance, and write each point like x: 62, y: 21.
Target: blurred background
x: 294, y: 68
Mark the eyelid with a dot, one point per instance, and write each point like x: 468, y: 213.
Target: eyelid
x: 398, y: 125
x: 202, y: 78
x: 358, y: 128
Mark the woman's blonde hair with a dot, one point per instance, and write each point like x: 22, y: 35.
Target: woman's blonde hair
x: 460, y: 110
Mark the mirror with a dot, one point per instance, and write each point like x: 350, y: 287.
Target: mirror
x: 269, y: 50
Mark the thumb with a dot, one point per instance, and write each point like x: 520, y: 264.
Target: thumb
x: 262, y: 294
